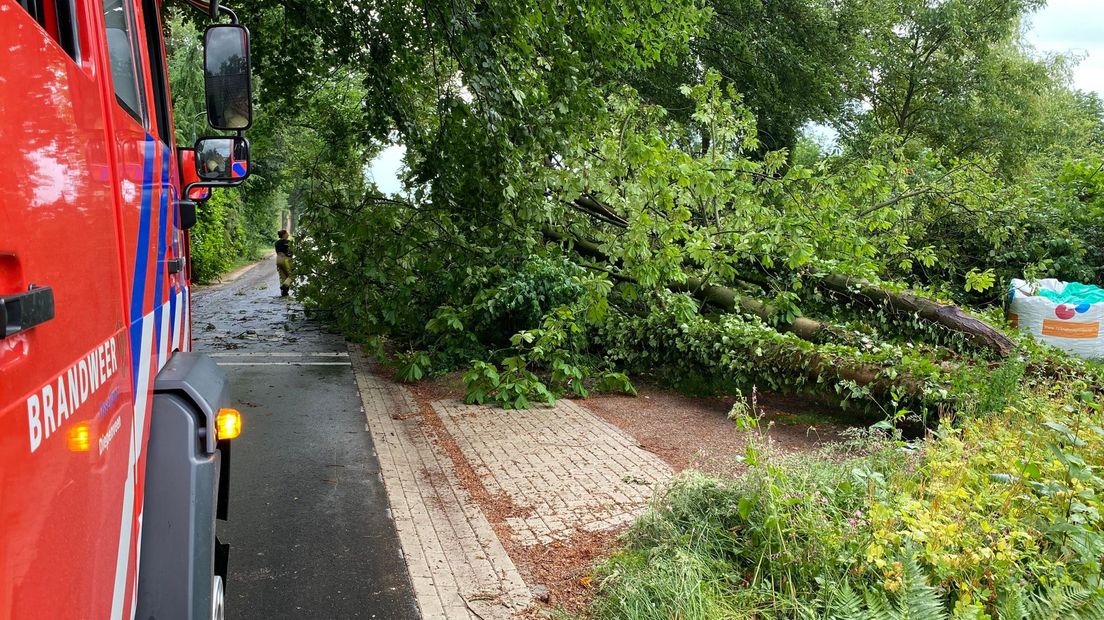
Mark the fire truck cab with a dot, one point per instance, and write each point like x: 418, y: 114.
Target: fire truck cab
x: 114, y: 435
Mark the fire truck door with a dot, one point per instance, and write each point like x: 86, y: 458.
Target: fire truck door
x: 140, y: 141
x: 64, y: 385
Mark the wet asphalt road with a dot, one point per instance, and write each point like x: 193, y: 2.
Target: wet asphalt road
x: 309, y: 528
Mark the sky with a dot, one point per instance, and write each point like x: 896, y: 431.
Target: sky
x: 1063, y: 26
x: 385, y: 169
x: 1073, y: 26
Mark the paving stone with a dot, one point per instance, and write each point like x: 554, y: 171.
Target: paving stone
x: 458, y: 567
x: 575, y: 469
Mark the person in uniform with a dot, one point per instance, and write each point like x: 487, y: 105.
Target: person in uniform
x: 283, y: 262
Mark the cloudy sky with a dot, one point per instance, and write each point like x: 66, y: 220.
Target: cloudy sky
x: 1077, y: 27
x: 1064, y: 26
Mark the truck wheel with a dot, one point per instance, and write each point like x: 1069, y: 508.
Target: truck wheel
x: 218, y: 609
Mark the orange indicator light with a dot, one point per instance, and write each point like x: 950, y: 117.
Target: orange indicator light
x: 229, y: 423
x: 80, y: 438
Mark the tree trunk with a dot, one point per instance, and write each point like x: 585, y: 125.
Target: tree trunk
x: 950, y: 316
x: 727, y: 299
x: 947, y: 315
x: 720, y: 296
x: 816, y: 366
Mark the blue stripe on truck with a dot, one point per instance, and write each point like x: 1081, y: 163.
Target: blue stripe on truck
x: 159, y: 276
x: 141, y: 259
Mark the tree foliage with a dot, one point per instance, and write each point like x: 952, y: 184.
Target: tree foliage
x: 649, y: 133
x: 794, y: 62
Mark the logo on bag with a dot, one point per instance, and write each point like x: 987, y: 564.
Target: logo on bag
x: 1067, y: 312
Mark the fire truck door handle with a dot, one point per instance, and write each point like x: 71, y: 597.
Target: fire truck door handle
x: 18, y: 313
x: 175, y: 265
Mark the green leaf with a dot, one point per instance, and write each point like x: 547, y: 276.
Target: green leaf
x: 745, y: 506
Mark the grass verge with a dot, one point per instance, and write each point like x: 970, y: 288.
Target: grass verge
x: 1000, y: 518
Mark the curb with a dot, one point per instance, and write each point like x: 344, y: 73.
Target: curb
x: 240, y: 271
x: 457, y: 564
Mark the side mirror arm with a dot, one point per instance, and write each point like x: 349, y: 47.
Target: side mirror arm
x: 189, y: 187
x: 216, y: 7
x: 212, y: 8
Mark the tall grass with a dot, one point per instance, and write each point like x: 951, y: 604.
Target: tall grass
x: 748, y: 547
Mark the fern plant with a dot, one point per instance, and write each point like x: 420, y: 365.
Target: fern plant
x: 915, y: 599
x: 1065, y: 603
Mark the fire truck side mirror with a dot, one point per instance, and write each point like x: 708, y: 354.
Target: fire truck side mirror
x: 226, y: 77
x: 222, y: 160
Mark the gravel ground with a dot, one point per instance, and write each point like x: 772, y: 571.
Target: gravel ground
x: 695, y: 432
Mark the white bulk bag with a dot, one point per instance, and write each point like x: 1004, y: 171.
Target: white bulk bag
x: 1073, y: 326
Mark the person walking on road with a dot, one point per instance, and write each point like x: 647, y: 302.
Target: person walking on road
x: 283, y: 262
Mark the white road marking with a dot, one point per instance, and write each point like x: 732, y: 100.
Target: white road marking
x: 284, y: 363
x: 275, y: 354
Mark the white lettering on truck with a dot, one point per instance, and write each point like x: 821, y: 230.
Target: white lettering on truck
x: 49, y: 407
x: 34, y: 421
x: 105, y: 441
x: 82, y: 379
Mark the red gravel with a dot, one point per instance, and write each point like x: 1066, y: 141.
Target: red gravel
x: 696, y: 432
x: 558, y: 572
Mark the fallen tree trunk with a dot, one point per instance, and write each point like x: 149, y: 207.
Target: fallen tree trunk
x: 815, y: 366
x: 950, y: 316
x: 582, y: 246
x: 727, y: 299
x: 720, y: 296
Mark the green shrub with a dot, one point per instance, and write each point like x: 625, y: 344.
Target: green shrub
x: 1003, y: 518
x: 763, y: 543
x: 225, y: 235
x: 214, y: 238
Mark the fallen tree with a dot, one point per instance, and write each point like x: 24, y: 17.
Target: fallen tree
x: 733, y: 245
x: 727, y: 299
x: 950, y: 316
x: 812, y: 366
x: 722, y: 297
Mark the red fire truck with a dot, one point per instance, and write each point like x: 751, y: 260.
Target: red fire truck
x: 114, y: 435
